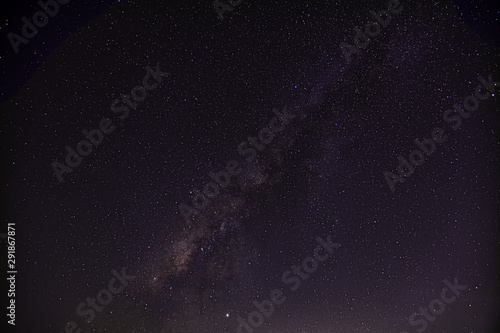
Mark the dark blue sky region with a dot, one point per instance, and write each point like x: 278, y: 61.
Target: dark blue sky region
x: 108, y: 249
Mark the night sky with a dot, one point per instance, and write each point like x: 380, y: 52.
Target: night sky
x: 314, y: 202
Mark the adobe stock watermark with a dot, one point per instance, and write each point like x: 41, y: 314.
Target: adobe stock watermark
x: 96, y: 135
x: 361, y: 39
x: 247, y: 149
x: 293, y: 277
x: 436, y: 306
x: 428, y: 146
x: 221, y: 7
x: 40, y: 19
x: 102, y: 299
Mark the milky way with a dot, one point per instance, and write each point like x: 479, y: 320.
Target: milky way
x: 321, y: 175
